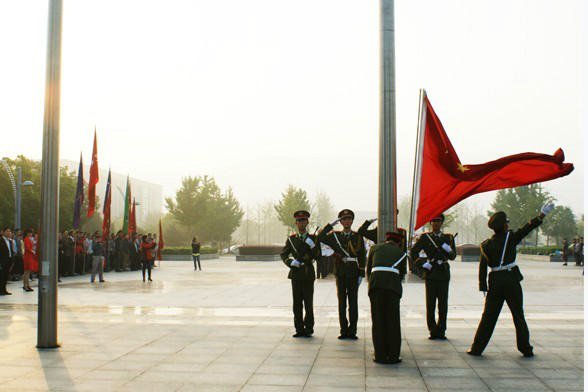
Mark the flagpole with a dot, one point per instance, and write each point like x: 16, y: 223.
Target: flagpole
x: 387, y: 200
x: 47, y: 308
x: 418, y: 161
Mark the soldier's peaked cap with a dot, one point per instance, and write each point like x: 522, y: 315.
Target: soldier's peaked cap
x: 498, y: 220
x: 346, y: 214
x: 440, y: 217
x: 393, y: 235
x: 301, y: 215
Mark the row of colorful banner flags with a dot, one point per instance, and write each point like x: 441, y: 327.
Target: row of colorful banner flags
x: 130, y: 213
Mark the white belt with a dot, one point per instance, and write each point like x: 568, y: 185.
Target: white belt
x: 387, y: 269
x: 504, y: 267
x: 349, y: 258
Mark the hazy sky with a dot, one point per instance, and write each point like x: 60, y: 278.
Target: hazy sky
x: 265, y: 93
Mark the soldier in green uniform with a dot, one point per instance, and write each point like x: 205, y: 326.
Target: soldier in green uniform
x: 350, y: 258
x: 386, y: 267
x: 372, y: 234
x: 431, y: 253
x: 304, y: 248
x: 504, y: 283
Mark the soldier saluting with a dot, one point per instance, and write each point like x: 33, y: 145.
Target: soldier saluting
x: 499, y: 253
x: 303, y: 247
x: 386, y: 267
x: 350, y: 258
x: 437, y: 248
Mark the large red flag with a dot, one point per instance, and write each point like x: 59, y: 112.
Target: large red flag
x: 444, y: 181
x: 160, y: 245
x: 93, y: 178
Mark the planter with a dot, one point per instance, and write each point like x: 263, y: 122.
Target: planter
x: 189, y: 257
x: 260, y: 250
x: 470, y: 258
x: 259, y: 258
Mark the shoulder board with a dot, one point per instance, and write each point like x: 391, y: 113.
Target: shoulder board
x: 448, y: 235
x: 292, y: 235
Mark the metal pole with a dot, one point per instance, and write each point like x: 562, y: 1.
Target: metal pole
x: 418, y: 160
x: 387, y: 217
x: 18, y: 188
x: 47, y: 316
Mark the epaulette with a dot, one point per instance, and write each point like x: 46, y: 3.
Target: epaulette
x: 293, y: 235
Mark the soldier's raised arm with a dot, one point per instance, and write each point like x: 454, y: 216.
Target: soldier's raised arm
x: 524, y: 231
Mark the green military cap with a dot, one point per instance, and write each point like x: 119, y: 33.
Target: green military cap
x: 302, y: 214
x: 440, y: 217
x: 346, y: 214
x: 498, y: 220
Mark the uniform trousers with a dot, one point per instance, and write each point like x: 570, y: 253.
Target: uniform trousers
x: 302, y: 293
x: 347, y: 292
x: 385, y: 307
x: 437, y: 291
x: 513, y: 295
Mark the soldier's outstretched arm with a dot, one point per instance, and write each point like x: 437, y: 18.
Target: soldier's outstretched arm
x: 524, y: 231
x: 371, y: 235
x: 327, y: 239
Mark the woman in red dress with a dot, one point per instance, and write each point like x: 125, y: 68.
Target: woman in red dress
x: 29, y: 259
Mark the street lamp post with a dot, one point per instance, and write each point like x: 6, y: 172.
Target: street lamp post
x: 19, y: 184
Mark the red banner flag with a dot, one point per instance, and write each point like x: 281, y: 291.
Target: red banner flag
x: 443, y: 181
x: 93, y: 178
x: 160, y: 244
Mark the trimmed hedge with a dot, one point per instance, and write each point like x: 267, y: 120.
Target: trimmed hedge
x: 184, y: 250
x: 540, y: 250
x: 259, y: 250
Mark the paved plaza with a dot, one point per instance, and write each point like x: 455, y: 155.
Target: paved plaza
x: 229, y: 328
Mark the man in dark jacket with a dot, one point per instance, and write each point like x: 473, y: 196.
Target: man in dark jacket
x: 298, y: 253
x: 6, y: 254
x: 386, y: 267
x: 499, y: 253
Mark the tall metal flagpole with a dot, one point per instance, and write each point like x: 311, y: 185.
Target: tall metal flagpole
x: 387, y: 218
x: 418, y: 161
x: 47, y: 315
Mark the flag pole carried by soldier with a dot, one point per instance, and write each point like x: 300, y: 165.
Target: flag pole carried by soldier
x: 386, y: 267
x: 304, y: 248
x: 431, y: 252
x: 499, y: 253
x: 350, y: 259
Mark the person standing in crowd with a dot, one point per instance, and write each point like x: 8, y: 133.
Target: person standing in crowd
x: 303, y: 249
x: 350, y: 259
x: 5, y: 260
x: 564, y: 252
x: 325, y: 267
x: 118, y: 247
x: 88, y: 252
x: 499, y: 253
x: 18, y: 268
x: 154, y: 252
x: 29, y: 259
x: 146, y: 249
x: 573, y: 250
x: 68, y: 245
x: 196, y: 253
x: 80, y: 256
x: 97, y: 259
x: 137, y: 246
x: 437, y: 249
x: 386, y: 267
x: 125, y: 253
x: 580, y: 250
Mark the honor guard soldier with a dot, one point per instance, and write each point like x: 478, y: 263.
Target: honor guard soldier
x: 431, y: 253
x: 386, y: 267
x: 372, y: 234
x: 504, y: 282
x: 350, y: 258
x: 304, y: 248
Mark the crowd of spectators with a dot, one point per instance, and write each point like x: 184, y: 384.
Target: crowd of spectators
x: 575, y: 251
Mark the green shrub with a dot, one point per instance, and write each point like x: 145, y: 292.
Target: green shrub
x: 539, y: 250
x: 184, y: 250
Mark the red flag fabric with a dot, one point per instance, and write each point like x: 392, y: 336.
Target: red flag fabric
x: 160, y: 244
x: 93, y: 178
x: 106, y: 208
x: 133, y: 220
x: 445, y: 181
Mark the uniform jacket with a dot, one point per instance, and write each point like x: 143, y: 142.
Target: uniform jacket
x: 345, y: 247
x: 491, y: 253
x: 303, y: 253
x: 385, y: 255
x: 432, y: 253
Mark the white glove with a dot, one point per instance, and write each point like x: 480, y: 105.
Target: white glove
x: 372, y: 220
x: 547, y: 208
x: 447, y: 248
x: 439, y: 262
x: 310, y: 242
x: 334, y: 223
x: 360, y: 280
x: 427, y: 265
x: 295, y: 263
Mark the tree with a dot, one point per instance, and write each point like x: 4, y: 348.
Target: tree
x: 561, y: 223
x: 203, y: 209
x: 520, y: 204
x: 580, y: 230
x: 324, y: 210
x: 293, y: 199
